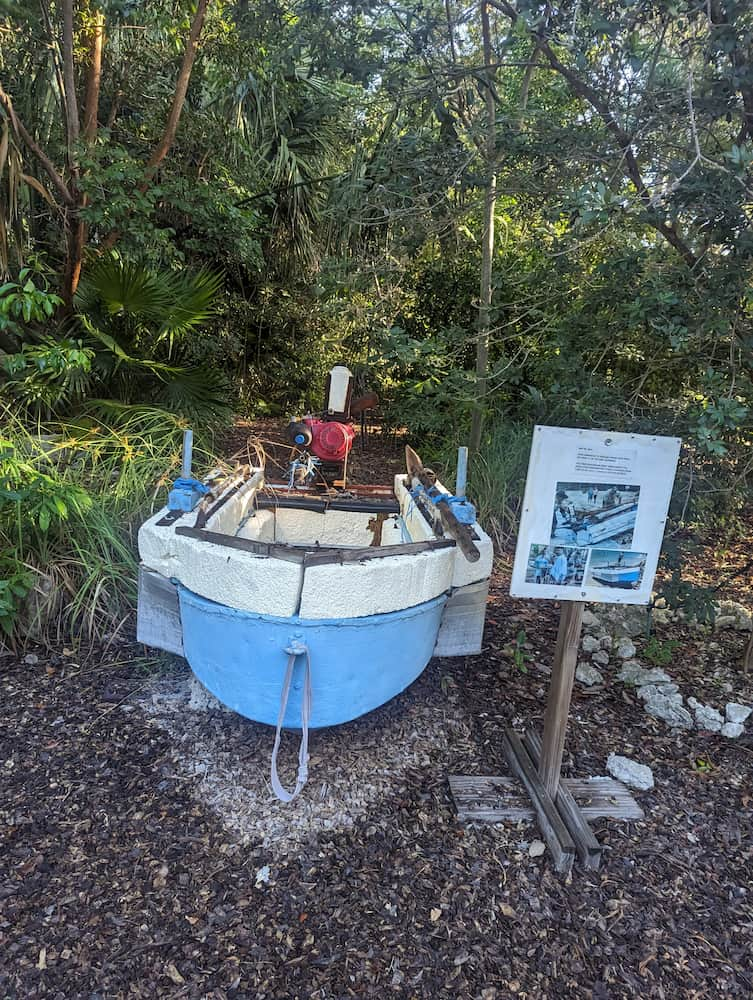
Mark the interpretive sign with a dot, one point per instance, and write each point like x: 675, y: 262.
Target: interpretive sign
x: 593, y: 517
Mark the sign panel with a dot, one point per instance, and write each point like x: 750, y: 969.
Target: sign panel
x: 593, y: 516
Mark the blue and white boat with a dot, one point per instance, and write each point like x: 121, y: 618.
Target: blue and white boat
x: 301, y: 609
x: 618, y: 575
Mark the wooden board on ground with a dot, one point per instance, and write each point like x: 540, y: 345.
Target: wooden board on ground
x: 587, y: 846
x: 496, y: 798
x: 553, y: 829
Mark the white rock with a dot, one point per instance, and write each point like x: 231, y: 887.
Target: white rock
x: 601, y: 657
x: 588, y: 674
x: 590, y: 644
x: 590, y: 620
x: 625, y: 648
x: 669, y: 708
x: 661, y: 616
x: 630, y: 772
x: 536, y: 848
x: 737, y: 713
x: 632, y: 672
x: 671, y: 691
x: 707, y: 717
x: 732, y: 730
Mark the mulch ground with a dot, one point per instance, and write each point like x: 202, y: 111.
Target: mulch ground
x: 117, y: 881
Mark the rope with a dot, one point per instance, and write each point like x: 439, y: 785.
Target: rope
x: 294, y: 650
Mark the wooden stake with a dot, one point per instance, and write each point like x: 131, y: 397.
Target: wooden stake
x: 560, y: 691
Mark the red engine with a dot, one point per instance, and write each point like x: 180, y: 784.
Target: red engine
x: 328, y: 437
x: 330, y: 440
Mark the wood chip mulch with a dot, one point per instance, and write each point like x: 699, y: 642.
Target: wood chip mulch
x: 116, y: 880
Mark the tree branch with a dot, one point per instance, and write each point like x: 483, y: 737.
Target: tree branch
x: 24, y: 136
x: 181, y: 89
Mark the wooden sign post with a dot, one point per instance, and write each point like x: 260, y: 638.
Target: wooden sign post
x: 560, y: 692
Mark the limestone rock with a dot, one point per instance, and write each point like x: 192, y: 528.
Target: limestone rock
x: 625, y: 648
x: 590, y: 644
x: 590, y: 620
x: 737, y: 713
x: 632, y: 672
x: 626, y: 621
x: 668, y: 708
x: 661, y: 616
x: 601, y: 657
x: 732, y: 614
x: 732, y: 730
x: 630, y: 772
x: 649, y: 691
x: 707, y: 717
x: 588, y: 674
x: 201, y: 700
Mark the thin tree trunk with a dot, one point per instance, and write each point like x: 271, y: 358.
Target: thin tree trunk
x: 181, y: 89
x: 76, y: 230
x: 94, y: 77
x: 487, y: 245
x: 69, y: 78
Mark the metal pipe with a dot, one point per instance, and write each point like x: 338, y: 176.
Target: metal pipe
x: 187, y: 454
x: 461, y: 477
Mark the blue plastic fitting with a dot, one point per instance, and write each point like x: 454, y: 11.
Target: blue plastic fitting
x: 185, y: 494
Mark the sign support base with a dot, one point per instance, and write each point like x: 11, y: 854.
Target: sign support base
x: 562, y: 807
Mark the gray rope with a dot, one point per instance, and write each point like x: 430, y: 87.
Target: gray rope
x: 295, y: 650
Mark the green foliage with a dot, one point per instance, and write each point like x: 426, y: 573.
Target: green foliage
x: 518, y: 652
x: 140, y: 321
x: 26, y: 301
x: 660, y: 653
x: 72, y: 495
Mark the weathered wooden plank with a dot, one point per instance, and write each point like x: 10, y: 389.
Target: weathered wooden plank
x: 490, y: 799
x: 158, y: 614
x: 603, y: 797
x: 560, y: 692
x: 494, y: 798
x: 321, y: 556
x: 462, y: 627
x: 552, y: 828
x: 588, y: 847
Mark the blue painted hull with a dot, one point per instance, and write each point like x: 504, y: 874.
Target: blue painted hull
x: 357, y: 664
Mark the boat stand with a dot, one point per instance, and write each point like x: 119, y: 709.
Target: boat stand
x: 562, y: 806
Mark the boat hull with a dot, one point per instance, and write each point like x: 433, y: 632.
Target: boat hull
x: 625, y: 578
x: 357, y: 664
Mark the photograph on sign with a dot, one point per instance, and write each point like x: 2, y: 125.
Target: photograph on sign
x: 593, y: 515
x: 556, y: 564
x: 616, y: 568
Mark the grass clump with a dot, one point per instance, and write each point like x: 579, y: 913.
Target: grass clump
x: 72, y: 495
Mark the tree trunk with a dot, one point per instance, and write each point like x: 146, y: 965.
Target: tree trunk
x: 94, y: 77
x: 487, y: 245
x: 76, y: 230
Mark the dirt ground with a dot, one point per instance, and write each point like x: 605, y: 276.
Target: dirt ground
x: 128, y: 870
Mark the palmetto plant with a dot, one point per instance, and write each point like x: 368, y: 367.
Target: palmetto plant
x: 138, y: 322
